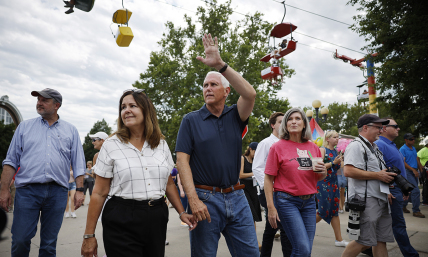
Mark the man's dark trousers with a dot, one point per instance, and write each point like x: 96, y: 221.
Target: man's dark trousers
x: 269, y: 234
x: 399, y: 224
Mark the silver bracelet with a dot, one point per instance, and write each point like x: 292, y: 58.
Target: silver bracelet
x: 88, y: 236
x: 179, y: 216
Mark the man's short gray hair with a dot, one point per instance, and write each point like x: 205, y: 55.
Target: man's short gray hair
x: 55, y: 102
x: 306, y: 132
x: 223, y: 80
x: 361, y: 128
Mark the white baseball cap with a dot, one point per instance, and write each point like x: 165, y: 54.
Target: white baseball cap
x: 426, y: 141
x: 101, y: 135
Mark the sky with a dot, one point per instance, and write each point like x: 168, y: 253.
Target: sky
x: 76, y: 54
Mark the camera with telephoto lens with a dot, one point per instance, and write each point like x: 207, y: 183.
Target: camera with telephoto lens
x: 355, y: 204
x: 353, y: 229
x: 401, y: 181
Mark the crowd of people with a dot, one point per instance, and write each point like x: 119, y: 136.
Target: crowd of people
x: 215, y: 188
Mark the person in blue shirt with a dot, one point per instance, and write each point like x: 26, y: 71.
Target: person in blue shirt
x: 410, y: 154
x: 209, y: 148
x: 393, y: 157
x: 44, y: 148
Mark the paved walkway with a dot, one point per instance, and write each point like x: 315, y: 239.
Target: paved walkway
x: 70, y: 237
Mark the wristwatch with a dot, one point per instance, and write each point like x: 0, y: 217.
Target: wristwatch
x: 80, y: 189
x: 223, y: 68
x: 88, y: 236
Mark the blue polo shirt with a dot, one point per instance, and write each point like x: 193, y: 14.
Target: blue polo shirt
x: 410, y: 155
x: 214, y: 145
x: 391, y: 154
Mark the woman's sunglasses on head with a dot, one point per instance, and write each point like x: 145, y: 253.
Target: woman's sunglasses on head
x: 136, y: 90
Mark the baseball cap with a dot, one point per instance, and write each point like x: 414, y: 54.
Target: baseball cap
x: 408, y: 136
x: 253, y: 145
x: 426, y: 141
x: 100, y: 134
x: 370, y: 118
x: 49, y: 93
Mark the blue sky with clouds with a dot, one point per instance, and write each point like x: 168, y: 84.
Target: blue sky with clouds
x: 77, y: 54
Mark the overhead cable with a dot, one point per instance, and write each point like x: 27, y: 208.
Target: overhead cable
x: 313, y: 13
x: 208, y: 2
x: 175, y: 6
x: 330, y: 43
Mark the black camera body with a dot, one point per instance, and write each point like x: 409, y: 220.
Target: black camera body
x: 355, y: 204
x: 401, y: 182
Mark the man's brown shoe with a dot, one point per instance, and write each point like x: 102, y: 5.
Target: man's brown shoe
x: 418, y: 214
x: 405, y: 210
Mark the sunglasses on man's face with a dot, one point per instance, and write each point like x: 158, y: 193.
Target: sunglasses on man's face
x: 394, y: 126
x: 95, y: 139
x: 411, y: 139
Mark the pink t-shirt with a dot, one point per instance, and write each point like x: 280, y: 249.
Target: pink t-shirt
x: 290, y: 163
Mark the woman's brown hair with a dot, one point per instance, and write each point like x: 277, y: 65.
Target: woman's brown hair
x: 247, y: 152
x: 152, y: 131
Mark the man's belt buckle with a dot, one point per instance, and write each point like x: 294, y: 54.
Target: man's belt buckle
x: 150, y: 203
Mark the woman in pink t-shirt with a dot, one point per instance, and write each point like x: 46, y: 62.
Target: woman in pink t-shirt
x: 290, y: 181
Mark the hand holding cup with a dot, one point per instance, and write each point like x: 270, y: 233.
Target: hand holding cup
x: 318, y: 164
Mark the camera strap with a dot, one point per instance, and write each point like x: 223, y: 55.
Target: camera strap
x: 380, y: 161
x: 366, y: 159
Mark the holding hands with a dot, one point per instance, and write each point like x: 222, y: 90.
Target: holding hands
x: 199, y: 210
x: 189, y: 220
x: 89, y: 247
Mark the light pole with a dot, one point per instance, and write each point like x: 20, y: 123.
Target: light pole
x: 324, y: 111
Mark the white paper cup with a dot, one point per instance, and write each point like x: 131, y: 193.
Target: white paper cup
x: 316, y: 160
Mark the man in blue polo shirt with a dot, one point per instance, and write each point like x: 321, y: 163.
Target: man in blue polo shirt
x: 209, y: 160
x: 393, y: 157
x: 412, y: 167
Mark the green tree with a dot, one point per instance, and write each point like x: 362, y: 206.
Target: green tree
x: 174, y: 78
x: 343, y: 117
x: 354, y: 112
x: 6, y: 132
x: 397, y: 31
x: 88, y: 148
x: 336, y: 115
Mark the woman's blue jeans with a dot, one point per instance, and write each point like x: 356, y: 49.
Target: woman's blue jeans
x: 34, y: 201
x: 298, y: 218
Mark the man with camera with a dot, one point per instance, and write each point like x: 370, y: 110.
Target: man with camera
x: 393, y: 158
x: 412, y: 168
x: 368, y: 190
